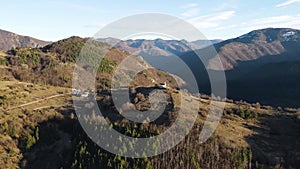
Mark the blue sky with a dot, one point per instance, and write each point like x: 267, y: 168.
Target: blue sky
x: 58, y: 19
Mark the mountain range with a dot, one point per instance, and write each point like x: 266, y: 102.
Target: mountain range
x: 39, y: 127
x: 158, y: 47
x: 260, y: 66
x: 9, y: 40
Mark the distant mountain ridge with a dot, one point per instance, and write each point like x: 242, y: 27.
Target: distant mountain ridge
x: 254, y: 45
x: 259, y: 66
x: 9, y: 40
x: 161, y: 54
x: 158, y: 47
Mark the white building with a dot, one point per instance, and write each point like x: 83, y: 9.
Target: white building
x: 163, y: 85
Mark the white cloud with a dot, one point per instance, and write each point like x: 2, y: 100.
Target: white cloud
x: 212, y: 20
x: 226, y: 6
x: 286, y: 3
x: 275, y: 19
x: 222, y: 16
x: 191, y: 5
x: 191, y: 12
x: 284, y: 21
x: 281, y: 21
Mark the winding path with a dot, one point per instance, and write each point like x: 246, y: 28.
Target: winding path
x: 37, y: 101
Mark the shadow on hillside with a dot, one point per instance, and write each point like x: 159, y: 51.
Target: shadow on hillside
x: 277, y: 142
x: 271, y: 80
x: 53, y: 143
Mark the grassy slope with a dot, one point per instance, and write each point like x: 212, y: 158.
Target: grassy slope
x: 261, y: 135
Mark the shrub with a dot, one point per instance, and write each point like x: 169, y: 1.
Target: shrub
x: 107, y: 66
x: 105, y: 83
x: 3, y: 99
x: 3, y: 62
x: 30, y: 141
x: 248, y: 114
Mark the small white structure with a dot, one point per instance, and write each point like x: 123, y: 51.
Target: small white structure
x: 80, y: 93
x: 85, y: 94
x: 76, y: 92
x: 163, y: 85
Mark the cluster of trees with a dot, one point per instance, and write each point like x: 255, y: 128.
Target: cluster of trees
x: 67, y: 49
x: 245, y: 112
x: 32, y: 138
x: 87, y: 154
x: 107, y: 66
x: 26, y: 55
x: 189, y: 153
x: 248, y: 114
x: 215, y: 153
